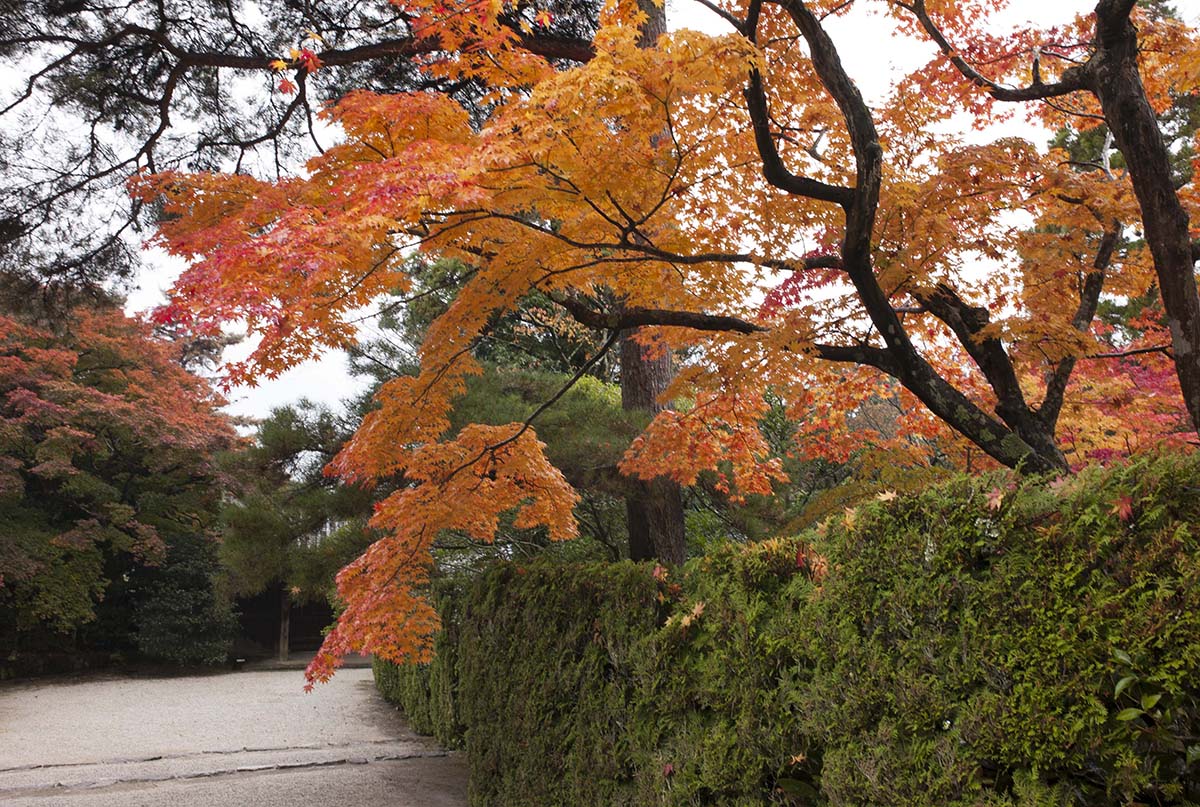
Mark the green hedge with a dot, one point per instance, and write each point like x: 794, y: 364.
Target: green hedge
x: 716, y: 703
x: 978, y: 645
x: 604, y: 684
x: 984, y: 643
x: 547, y: 654
x: 427, y: 693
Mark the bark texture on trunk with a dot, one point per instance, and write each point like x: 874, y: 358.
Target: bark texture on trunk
x: 654, y: 508
x: 1117, y: 83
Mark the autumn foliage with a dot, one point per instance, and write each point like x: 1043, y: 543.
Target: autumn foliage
x: 736, y: 194
x: 108, y: 469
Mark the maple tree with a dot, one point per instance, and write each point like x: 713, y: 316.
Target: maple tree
x: 152, y: 81
x: 670, y: 188
x: 108, y: 485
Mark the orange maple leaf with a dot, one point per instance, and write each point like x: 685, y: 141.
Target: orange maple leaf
x: 1123, y: 508
x: 995, y: 498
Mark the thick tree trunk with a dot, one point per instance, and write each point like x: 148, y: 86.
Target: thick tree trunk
x: 1117, y: 83
x: 654, y: 508
x: 285, y: 623
x: 656, y: 22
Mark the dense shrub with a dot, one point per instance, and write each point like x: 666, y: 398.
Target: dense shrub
x: 1039, y: 645
x: 428, y: 693
x: 984, y: 643
x: 546, y: 682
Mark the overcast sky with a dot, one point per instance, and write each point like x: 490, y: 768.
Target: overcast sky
x: 873, y: 57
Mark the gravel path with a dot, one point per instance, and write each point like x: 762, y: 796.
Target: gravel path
x: 243, y: 738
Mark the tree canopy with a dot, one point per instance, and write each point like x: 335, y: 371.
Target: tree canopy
x: 736, y: 197
x: 109, y: 486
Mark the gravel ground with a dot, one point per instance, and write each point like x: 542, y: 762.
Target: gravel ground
x: 242, y: 738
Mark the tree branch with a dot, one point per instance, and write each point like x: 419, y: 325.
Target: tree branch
x: 638, y: 317
x: 1089, y: 301
x: 803, y: 264
x: 867, y: 355
x: 774, y: 171
x: 1073, y: 78
x: 550, y: 47
x: 968, y: 322
x: 1141, y: 351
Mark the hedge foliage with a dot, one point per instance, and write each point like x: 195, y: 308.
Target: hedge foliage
x: 1040, y: 645
x: 427, y: 693
x: 984, y: 643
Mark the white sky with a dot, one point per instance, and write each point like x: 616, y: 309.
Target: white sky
x: 871, y: 54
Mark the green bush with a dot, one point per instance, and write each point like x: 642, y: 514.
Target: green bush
x: 984, y: 643
x: 427, y: 693
x: 1039, y: 648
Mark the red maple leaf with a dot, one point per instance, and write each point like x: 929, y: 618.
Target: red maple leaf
x: 311, y: 62
x: 1123, y: 508
x: 287, y: 86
